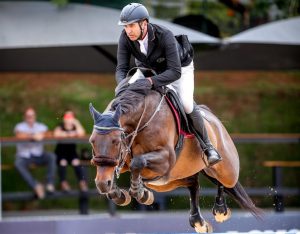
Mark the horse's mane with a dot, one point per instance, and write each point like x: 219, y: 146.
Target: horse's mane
x: 128, y: 99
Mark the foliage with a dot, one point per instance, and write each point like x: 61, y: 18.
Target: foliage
x: 246, y: 102
x: 227, y: 21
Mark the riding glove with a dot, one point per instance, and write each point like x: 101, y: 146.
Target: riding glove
x: 141, y: 86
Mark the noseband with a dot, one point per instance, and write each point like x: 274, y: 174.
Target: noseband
x: 125, y: 149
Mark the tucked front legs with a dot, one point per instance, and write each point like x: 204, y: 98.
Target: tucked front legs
x: 152, y: 161
x: 119, y: 196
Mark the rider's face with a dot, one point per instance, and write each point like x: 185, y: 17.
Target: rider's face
x: 133, y: 30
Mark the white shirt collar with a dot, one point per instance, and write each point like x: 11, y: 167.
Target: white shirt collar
x: 144, y: 44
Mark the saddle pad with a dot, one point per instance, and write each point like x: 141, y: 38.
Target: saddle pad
x: 180, y: 117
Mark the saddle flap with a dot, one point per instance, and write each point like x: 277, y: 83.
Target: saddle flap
x: 178, y: 111
x: 180, y: 117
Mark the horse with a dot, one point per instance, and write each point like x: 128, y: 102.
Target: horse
x: 138, y: 133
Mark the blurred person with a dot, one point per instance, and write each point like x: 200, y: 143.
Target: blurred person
x: 155, y: 47
x: 67, y: 152
x: 32, y: 152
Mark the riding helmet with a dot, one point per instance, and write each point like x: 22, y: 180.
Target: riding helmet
x: 133, y: 12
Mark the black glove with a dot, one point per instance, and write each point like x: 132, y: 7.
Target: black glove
x: 142, y: 86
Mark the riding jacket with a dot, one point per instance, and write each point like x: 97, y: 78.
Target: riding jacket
x: 163, y: 56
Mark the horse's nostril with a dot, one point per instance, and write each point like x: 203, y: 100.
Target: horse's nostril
x: 109, y: 183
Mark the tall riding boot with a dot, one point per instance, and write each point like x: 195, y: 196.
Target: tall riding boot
x: 198, y: 123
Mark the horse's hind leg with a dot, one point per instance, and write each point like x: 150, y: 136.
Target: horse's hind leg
x: 220, y: 209
x: 196, y: 220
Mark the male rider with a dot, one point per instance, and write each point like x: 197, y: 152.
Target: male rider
x: 155, y: 47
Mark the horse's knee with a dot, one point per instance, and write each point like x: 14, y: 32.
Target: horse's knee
x: 138, y: 163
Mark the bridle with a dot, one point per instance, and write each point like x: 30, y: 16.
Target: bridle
x: 125, y: 149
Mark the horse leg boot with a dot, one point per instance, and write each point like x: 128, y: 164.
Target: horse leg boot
x: 198, y: 123
x: 137, y: 189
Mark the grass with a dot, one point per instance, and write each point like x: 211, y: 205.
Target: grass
x: 246, y: 102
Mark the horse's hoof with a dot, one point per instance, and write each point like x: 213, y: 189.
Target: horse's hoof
x: 127, y: 198
x: 221, y: 217
x: 146, y: 198
x: 205, y: 228
x: 150, y: 198
x: 123, y: 200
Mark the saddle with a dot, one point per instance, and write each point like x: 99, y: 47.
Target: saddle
x: 182, y: 121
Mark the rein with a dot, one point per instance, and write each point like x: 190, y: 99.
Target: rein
x: 125, y: 148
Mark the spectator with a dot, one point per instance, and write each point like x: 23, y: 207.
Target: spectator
x: 67, y: 152
x: 32, y: 152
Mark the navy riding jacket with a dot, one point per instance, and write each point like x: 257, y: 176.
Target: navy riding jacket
x: 163, y: 56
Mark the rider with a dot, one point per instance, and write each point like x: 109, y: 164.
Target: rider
x: 155, y: 47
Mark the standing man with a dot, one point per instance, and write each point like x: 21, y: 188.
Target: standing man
x: 155, y: 47
x: 32, y: 152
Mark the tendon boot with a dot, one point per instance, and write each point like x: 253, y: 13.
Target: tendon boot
x: 198, y: 123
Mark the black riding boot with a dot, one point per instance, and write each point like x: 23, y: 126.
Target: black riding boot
x: 212, y: 155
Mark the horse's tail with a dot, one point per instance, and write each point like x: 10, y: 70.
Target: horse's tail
x: 239, y: 194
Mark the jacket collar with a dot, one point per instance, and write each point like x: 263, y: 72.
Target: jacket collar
x: 151, y: 38
x: 151, y: 35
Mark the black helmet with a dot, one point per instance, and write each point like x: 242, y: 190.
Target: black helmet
x: 133, y: 12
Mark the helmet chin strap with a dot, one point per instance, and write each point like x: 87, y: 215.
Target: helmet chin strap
x: 142, y: 31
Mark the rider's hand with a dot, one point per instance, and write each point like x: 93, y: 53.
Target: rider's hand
x: 141, y: 86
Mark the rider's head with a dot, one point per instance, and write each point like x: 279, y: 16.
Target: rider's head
x: 134, y: 17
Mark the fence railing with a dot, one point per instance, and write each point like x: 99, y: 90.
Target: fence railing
x: 236, y: 137
x: 160, y: 197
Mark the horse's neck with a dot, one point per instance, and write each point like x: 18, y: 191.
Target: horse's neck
x: 142, y: 112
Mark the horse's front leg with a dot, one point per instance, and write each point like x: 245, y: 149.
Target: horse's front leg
x: 119, y: 196
x: 156, y: 161
x: 196, y: 219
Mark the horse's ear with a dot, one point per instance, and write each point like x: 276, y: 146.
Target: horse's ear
x: 118, y: 113
x: 95, y: 114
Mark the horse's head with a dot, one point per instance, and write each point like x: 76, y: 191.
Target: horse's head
x: 106, y: 144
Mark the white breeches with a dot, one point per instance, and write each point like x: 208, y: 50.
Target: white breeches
x: 184, y: 86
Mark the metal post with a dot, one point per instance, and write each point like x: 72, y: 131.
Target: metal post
x: 111, y: 208
x: 83, y: 203
x: 277, y: 182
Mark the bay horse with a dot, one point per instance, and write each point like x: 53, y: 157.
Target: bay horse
x: 138, y: 133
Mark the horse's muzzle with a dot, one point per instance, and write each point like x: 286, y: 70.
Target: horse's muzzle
x: 103, y: 186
